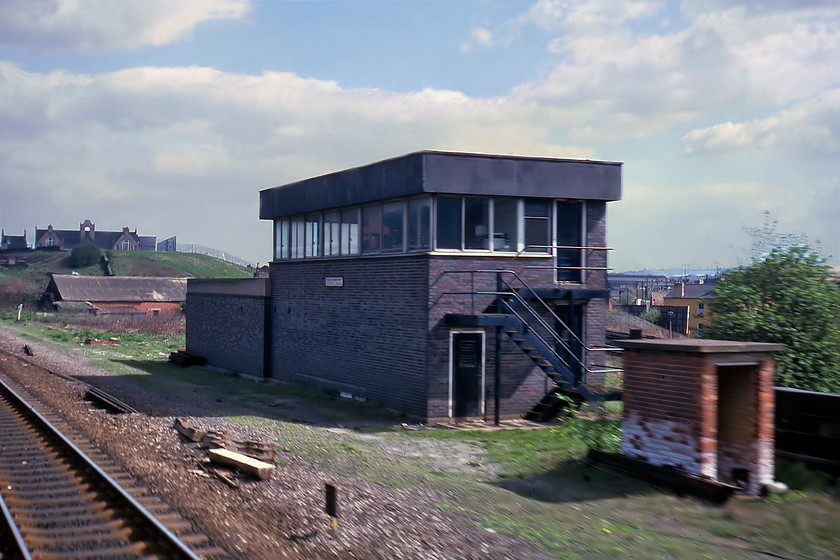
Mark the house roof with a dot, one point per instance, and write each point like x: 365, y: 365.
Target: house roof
x: 692, y: 291
x: 103, y: 239
x: 116, y: 288
x: 447, y: 173
x: 14, y: 242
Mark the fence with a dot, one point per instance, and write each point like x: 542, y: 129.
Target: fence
x: 202, y: 250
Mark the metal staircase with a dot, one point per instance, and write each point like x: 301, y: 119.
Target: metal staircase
x: 526, y: 318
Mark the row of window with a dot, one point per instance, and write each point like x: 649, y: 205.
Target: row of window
x: 441, y: 223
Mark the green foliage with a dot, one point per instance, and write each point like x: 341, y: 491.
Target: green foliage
x: 591, y: 425
x: 652, y: 315
x: 785, y: 298
x: 84, y: 254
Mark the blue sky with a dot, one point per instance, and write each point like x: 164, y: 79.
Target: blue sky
x: 169, y: 117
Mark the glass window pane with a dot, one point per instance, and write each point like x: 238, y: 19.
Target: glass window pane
x: 537, y: 229
x: 476, y: 223
x: 350, y: 231
x: 505, y: 221
x: 332, y: 226
x: 448, y: 220
x: 535, y: 208
x: 313, y: 235
x: 296, y: 238
x: 281, y: 241
x: 393, y: 226
x: 371, y: 229
x: 569, y: 222
x: 419, y: 224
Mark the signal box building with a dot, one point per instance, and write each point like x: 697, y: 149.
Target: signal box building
x: 442, y: 285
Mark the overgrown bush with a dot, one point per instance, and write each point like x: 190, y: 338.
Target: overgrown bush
x: 652, y: 315
x: 84, y: 254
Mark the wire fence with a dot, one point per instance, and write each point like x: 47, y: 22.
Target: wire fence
x: 209, y: 251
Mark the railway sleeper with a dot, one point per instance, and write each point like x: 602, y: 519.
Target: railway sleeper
x: 52, y: 501
x: 47, y: 539
x: 98, y: 528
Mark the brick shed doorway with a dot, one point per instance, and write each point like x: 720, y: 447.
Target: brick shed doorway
x: 737, y: 421
x: 466, y: 374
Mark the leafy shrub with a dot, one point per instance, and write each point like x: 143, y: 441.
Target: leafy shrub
x: 85, y: 254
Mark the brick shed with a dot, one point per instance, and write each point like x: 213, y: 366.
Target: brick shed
x: 118, y: 295
x: 704, y: 406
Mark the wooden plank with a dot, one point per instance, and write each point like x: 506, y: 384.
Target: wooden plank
x: 254, y: 467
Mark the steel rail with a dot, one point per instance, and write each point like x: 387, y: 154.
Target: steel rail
x: 165, y: 536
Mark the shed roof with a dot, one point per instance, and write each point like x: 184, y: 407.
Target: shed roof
x: 116, y: 288
x: 450, y: 173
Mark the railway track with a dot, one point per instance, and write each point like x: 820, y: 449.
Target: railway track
x: 57, y: 503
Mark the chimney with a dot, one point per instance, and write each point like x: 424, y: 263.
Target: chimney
x: 679, y: 287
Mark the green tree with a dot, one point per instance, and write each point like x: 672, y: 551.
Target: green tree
x: 786, y: 298
x: 85, y: 254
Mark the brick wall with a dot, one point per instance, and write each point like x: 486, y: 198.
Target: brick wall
x: 705, y: 409
x: 163, y: 308
x: 367, y: 337
x: 228, y: 330
x: 374, y: 327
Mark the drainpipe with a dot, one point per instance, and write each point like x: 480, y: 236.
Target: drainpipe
x: 498, y: 369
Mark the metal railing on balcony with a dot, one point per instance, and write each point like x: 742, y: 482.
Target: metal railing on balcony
x: 513, y: 296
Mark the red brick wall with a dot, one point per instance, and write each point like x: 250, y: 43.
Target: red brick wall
x: 710, y: 414
x: 166, y: 308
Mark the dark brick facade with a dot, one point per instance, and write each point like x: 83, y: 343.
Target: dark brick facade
x: 367, y: 337
x: 227, y: 324
x: 381, y: 336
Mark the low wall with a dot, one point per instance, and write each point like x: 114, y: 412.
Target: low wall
x: 226, y: 323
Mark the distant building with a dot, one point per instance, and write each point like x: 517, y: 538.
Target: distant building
x: 693, y: 297
x: 117, y: 295
x: 124, y: 240
x: 13, y: 242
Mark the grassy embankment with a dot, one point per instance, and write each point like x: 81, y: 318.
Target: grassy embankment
x: 530, y: 484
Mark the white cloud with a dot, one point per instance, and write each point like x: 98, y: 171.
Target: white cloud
x: 808, y: 129
x: 151, y: 140
x: 103, y: 25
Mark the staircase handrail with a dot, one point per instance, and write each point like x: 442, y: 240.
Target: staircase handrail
x: 533, y: 313
x: 555, y: 336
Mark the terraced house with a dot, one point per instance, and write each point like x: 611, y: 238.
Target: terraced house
x: 441, y: 285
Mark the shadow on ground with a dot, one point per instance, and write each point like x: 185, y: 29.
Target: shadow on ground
x: 576, y: 481
x: 202, y: 391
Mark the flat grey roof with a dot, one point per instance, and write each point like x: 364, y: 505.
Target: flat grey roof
x: 700, y: 346
x: 450, y: 173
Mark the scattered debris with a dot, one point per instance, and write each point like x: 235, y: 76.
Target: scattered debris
x: 252, y: 457
x: 109, y: 342
x: 249, y: 465
x: 187, y: 431
x: 27, y: 350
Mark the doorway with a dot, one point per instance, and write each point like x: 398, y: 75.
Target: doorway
x: 466, y: 374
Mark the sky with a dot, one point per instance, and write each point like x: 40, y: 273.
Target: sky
x: 170, y: 117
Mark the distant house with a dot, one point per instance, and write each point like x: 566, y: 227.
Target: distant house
x: 124, y: 240
x: 13, y: 242
x: 117, y: 295
x: 694, y: 298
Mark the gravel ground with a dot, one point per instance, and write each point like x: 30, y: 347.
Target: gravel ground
x: 279, y: 518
